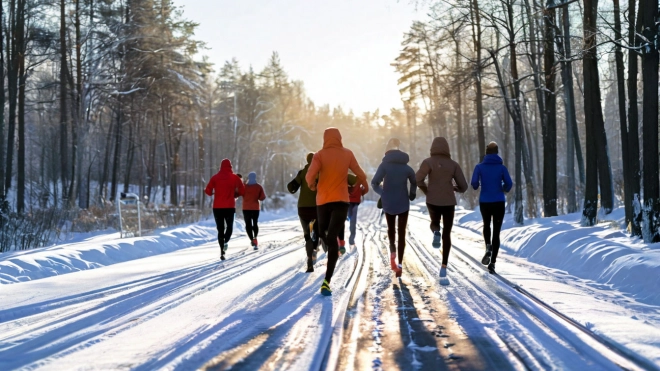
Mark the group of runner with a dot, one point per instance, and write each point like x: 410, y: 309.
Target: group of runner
x: 332, y: 185
x: 226, y: 187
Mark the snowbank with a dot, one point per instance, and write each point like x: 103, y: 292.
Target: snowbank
x: 94, y: 250
x: 99, y: 251
x: 603, y: 253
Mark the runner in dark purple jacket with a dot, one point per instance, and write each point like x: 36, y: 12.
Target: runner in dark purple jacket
x: 494, y: 179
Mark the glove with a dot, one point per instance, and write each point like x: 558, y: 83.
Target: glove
x: 293, y: 186
x: 412, y: 196
x: 379, y: 204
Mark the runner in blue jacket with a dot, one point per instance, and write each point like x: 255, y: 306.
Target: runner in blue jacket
x: 494, y: 179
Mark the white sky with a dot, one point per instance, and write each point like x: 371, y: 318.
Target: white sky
x: 340, y: 49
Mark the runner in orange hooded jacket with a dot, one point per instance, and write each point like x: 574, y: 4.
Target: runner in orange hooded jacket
x: 327, y: 175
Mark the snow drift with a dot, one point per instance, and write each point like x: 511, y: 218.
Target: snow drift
x: 603, y: 253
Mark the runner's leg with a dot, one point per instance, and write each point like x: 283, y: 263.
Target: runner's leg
x: 334, y: 216
x: 391, y: 231
x: 229, y: 221
x: 403, y: 221
x: 255, y: 223
x: 352, y: 212
x: 219, y: 225
x: 447, y: 223
x: 247, y: 216
x: 434, y: 214
x: 498, y: 219
x: 486, y: 214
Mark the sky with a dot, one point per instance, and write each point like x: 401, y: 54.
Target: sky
x: 340, y: 49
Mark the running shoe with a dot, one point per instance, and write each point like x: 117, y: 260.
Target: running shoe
x: 436, y: 239
x: 310, y: 265
x: 444, y: 281
x: 325, y: 289
x: 393, y: 261
x: 486, y: 259
x: 311, y: 229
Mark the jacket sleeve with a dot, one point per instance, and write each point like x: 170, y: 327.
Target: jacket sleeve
x: 262, y: 194
x: 313, y: 172
x: 240, y: 187
x: 459, y: 178
x: 420, y: 176
x: 413, y: 184
x: 476, y: 174
x: 377, y: 179
x: 508, y: 183
x: 209, y: 187
x: 357, y: 170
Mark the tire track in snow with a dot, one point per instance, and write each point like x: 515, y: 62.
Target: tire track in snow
x: 91, y: 319
x: 311, y: 337
x: 537, y: 335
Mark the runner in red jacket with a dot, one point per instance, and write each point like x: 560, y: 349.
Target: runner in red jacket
x: 254, y: 193
x: 224, y: 187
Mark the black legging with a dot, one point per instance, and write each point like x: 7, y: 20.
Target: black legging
x: 391, y: 232
x: 331, y: 218
x: 251, y: 219
x: 447, y: 215
x: 494, y: 211
x: 224, y: 221
x: 306, y: 215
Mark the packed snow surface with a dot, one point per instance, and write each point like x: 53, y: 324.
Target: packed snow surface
x: 166, y: 301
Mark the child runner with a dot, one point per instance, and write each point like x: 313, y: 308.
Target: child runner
x: 355, y: 195
x: 254, y: 193
x: 306, y: 212
x: 224, y: 186
x: 494, y: 179
x: 327, y: 174
x: 395, y: 174
x: 445, y: 177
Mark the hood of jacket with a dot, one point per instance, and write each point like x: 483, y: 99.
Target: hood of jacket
x: 252, y: 178
x: 225, y: 166
x: 440, y: 147
x: 332, y: 138
x: 395, y: 156
x: 310, y: 156
x: 493, y: 159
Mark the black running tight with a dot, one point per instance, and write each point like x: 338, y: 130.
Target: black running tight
x: 492, y: 211
x: 224, y: 221
x: 447, y: 215
x: 331, y: 218
x: 306, y: 216
x: 251, y: 219
x: 391, y: 232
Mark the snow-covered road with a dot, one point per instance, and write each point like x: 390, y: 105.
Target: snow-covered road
x: 258, y: 310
